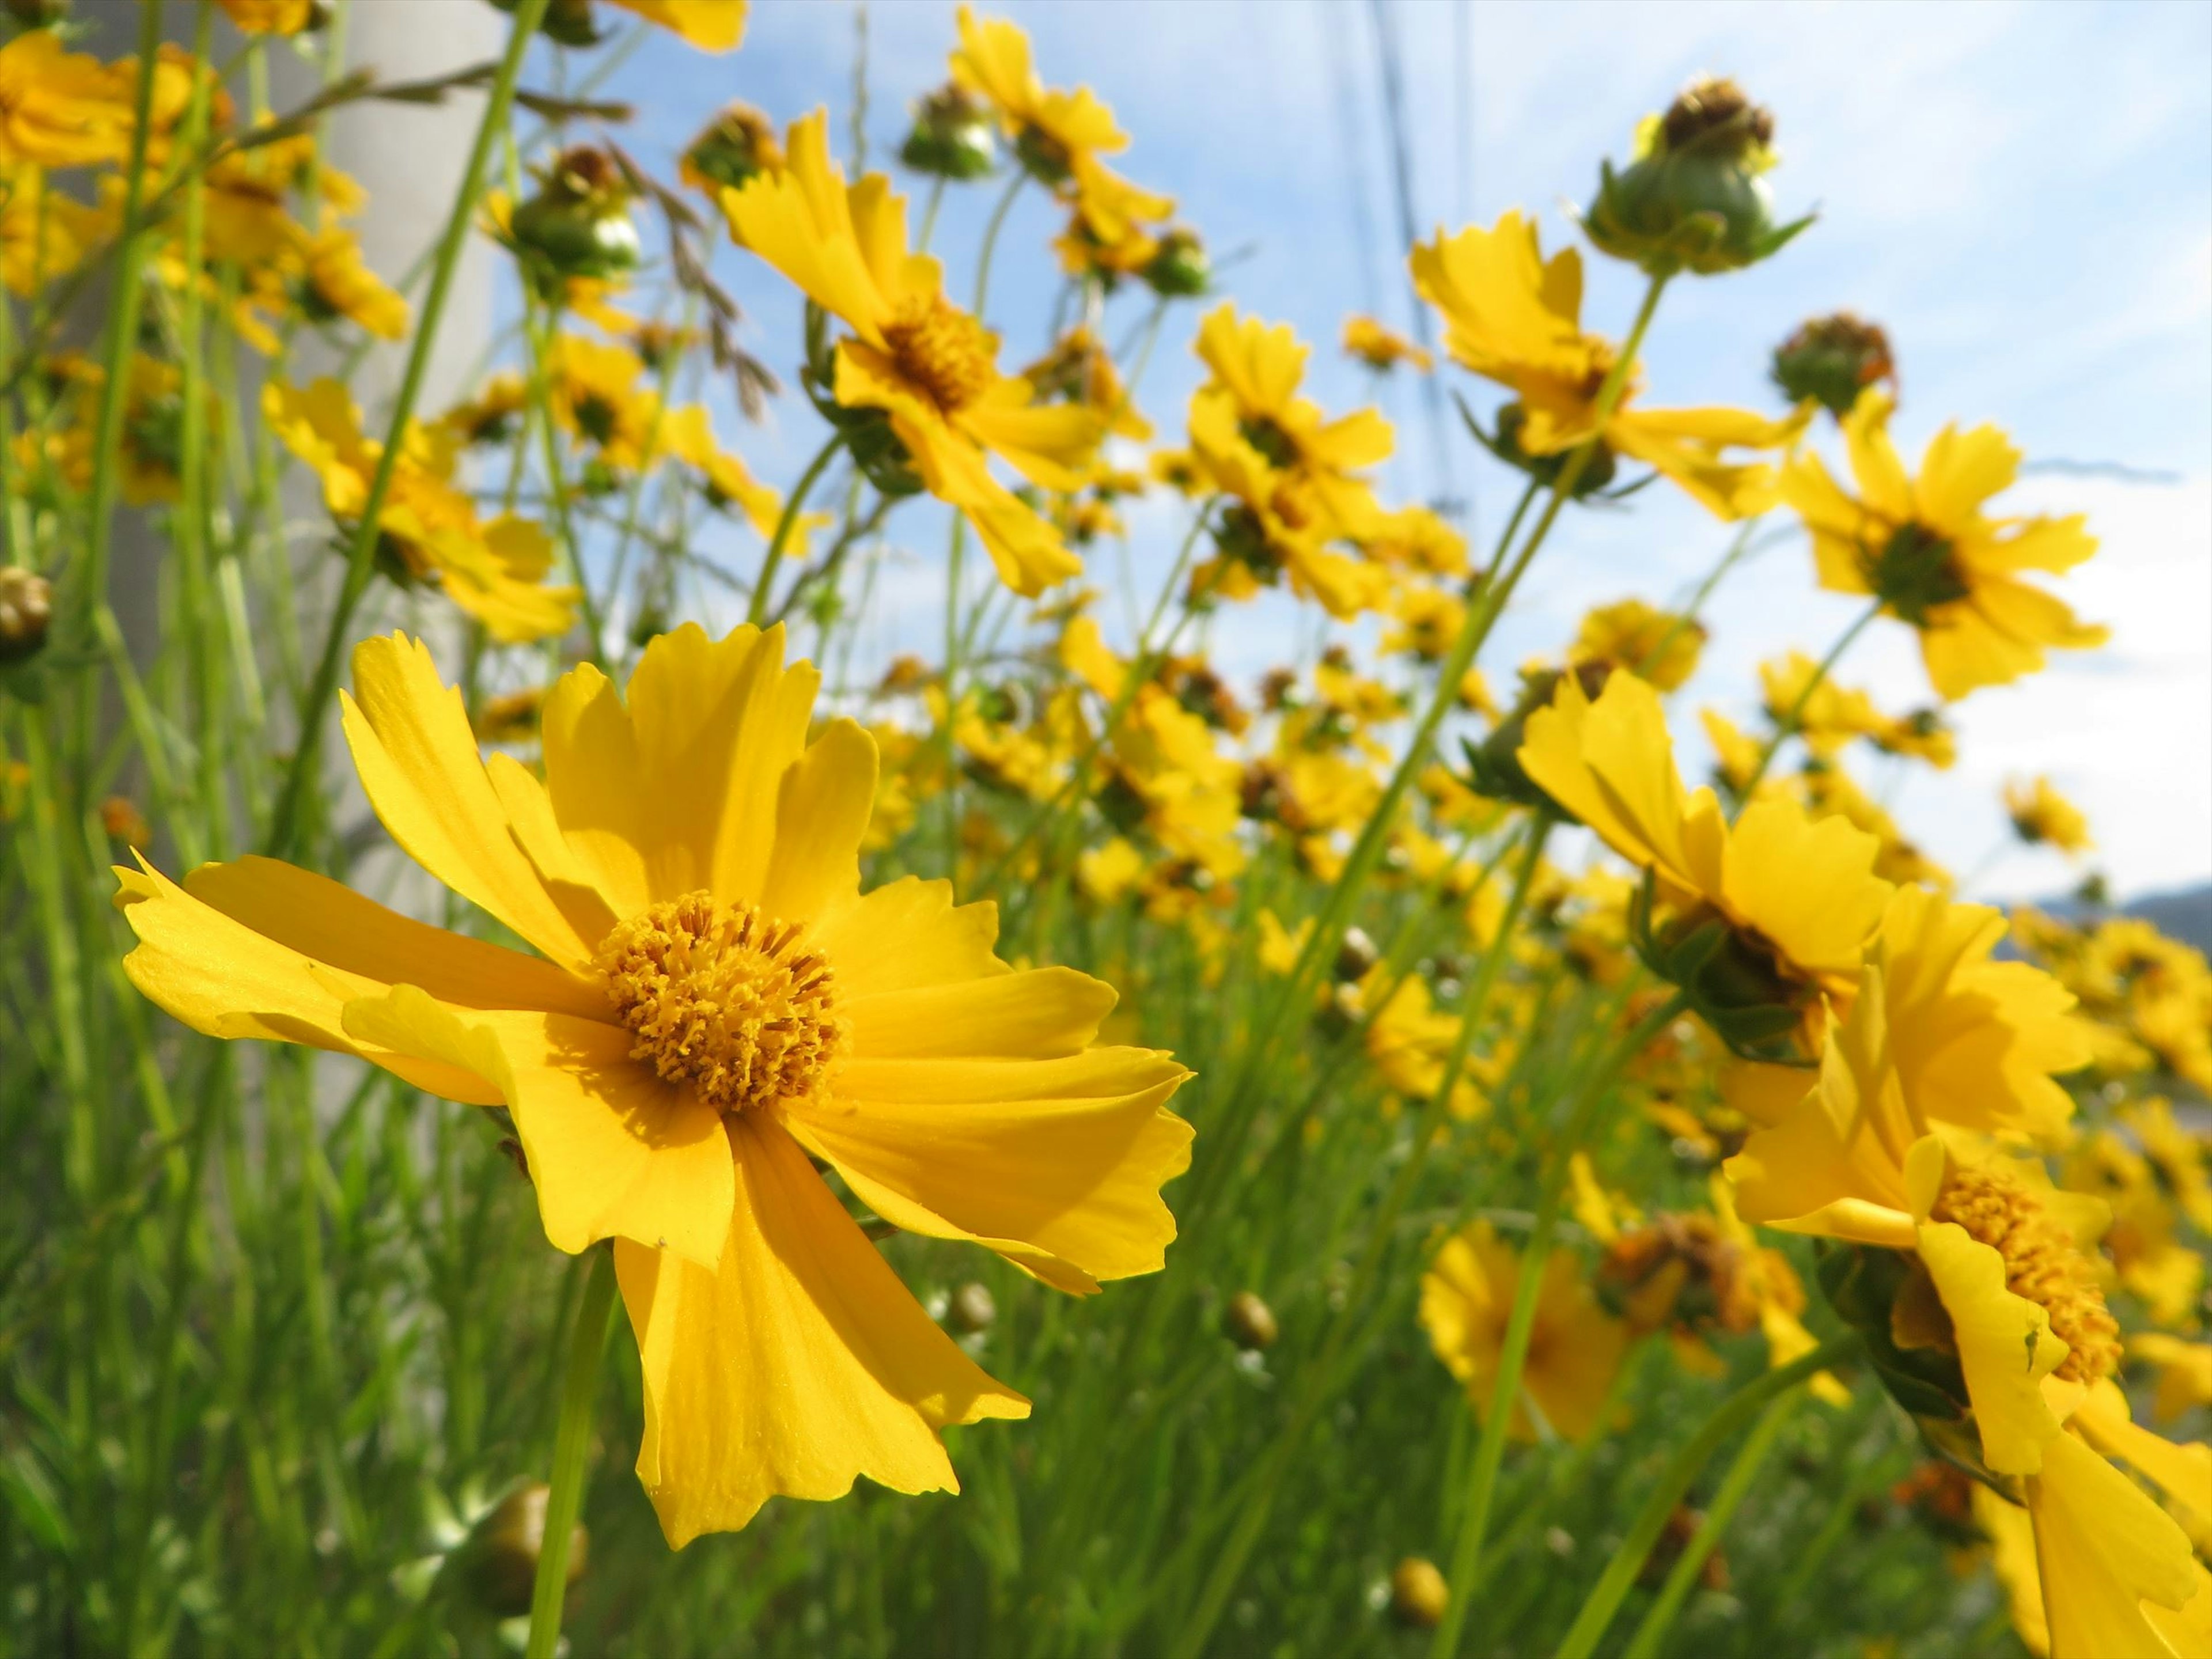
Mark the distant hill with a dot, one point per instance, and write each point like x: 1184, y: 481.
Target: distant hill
x: 2186, y: 914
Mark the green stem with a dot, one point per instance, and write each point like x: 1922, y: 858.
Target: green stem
x: 1687, y: 616
x: 360, y: 557
x: 936, y: 200
x: 1651, y: 1635
x: 757, y: 612
x: 572, y: 1442
x: 1521, y: 1323
x: 1659, y: 1503
x: 991, y: 241
x: 1787, y: 726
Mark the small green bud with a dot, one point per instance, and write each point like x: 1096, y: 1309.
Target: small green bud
x: 951, y: 137
x: 26, y: 611
x: 1356, y: 955
x: 578, y: 224
x: 737, y: 145
x: 1180, y: 270
x: 1597, y: 473
x: 1249, y: 1322
x: 1832, y: 360
x: 1694, y: 198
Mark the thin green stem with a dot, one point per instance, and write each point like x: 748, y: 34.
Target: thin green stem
x: 1786, y: 728
x: 935, y: 200
x: 1588, y: 1629
x: 1521, y: 1323
x: 757, y: 612
x: 991, y: 241
x: 572, y: 1443
x: 1651, y: 1635
x: 360, y: 557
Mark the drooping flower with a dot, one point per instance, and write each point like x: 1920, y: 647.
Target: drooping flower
x: 1924, y: 547
x: 2042, y: 817
x: 428, y: 531
x: 1513, y: 317
x: 922, y: 371
x: 1575, y: 1347
x: 714, y: 1002
x: 1382, y: 349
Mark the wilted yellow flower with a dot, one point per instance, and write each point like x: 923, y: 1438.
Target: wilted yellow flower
x: 1381, y: 348
x: 928, y: 368
x: 428, y: 531
x: 714, y: 1002
x: 2042, y: 817
x: 1923, y: 547
x: 1574, y: 1348
x: 1515, y: 318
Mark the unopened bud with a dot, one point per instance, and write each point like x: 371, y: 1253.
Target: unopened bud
x: 1693, y: 198
x: 971, y: 1309
x: 500, y: 1559
x: 952, y: 136
x: 124, y: 822
x: 578, y: 224
x: 26, y: 610
x: 1356, y: 955
x: 1832, y: 360
x: 566, y: 23
x: 1249, y: 1322
x: 737, y: 145
x: 1180, y: 269
x: 1418, y: 1593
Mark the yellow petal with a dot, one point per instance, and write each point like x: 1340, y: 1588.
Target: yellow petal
x: 821, y: 812
x: 709, y: 24
x: 1809, y: 888
x: 1057, y: 1164
x: 2103, y: 1549
x: 1041, y: 1013
x: 1961, y: 470
x: 612, y: 1150
x: 907, y: 935
x: 419, y: 765
x: 2005, y: 1347
x: 796, y: 1363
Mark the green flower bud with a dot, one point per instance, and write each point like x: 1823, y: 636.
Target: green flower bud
x: 568, y: 23
x: 1494, y: 764
x: 26, y: 611
x: 38, y: 14
x: 499, y: 1562
x: 578, y: 224
x: 1693, y: 199
x: 1356, y: 954
x: 1597, y: 472
x: 737, y: 145
x: 1179, y: 271
x: 951, y: 137
x: 1832, y: 360
x: 1249, y: 1322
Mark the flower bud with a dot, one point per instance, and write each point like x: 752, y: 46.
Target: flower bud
x: 566, y: 23
x: 1494, y: 764
x: 738, y: 144
x: 1418, y: 1593
x: 578, y: 224
x: 1249, y: 1322
x: 123, y: 822
x: 1596, y: 474
x: 1693, y: 198
x: 1179, y: 270
x: 1356, y: 955
x: 1832, y: 360
x: 971, y: 1310
x: 951, y: 137
x: 26, y: 610
x: 499, y: 1562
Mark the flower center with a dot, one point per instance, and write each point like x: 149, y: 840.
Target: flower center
x: 1914, y: 572
x: 944, y: 351
x: 2041, y: 1263
x: 725, y: 999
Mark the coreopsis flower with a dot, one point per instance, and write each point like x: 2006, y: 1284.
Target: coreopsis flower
x: 687, y: 435
x: 429, y: 531
x: 599, y: 392
x: 44, y: 234
x: 1735, y: 751
x: 1983, y: 1317
x: 920, y: 373
x: 1416, y: 539
x: 2184, y: 1372
x: 1409, y: 1040
x: 715, y: 26
x: 1513, y: 317
x: 713, y: 1003
x: 2042, y: 817
x: 1921, y: 735
x: 1827, y: 718
x: 1078, y: 370
x: 1382, y: 349
x: 61, y: 109
x: 1831, y: 791
x: 1575, y: 1346
x: 1058, y: 136
x: 269, y: 16
x: 1654, y: 645
x: 1925, y: 548
x: 1767, y: 915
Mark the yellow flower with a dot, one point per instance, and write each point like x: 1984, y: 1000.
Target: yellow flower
x: 1409, y: 1039
x: 687, y: 434
x: 1996, y: 1287
x: 2041, y: 816
x: 926, y: 366
x: 1924, y: 548
x: 1830, y: 792
x: 1381, y: 348
x: 1416, y: 539
x: 1654, y: 645
x: 1054, y: 132
x: 339, y: 283
x: 1798, y: 898
x: 62, y: 109
x: 714, y: 1002
x: 1574, y: 1349
x: 2185, y: 1374
x: 1513, y: 317
x: 269, y: 16
x: 1735, y: 752
x: 44, y: 233
x: 1830, y: 718
x: 495, y: 572
x: 710, y: 25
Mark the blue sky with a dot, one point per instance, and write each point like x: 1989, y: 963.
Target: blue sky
x: 2021, y: 193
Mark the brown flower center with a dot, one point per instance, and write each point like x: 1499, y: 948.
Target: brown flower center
x: 2041, y: 1263
x: 724, y: 1000
x: 941, y: 349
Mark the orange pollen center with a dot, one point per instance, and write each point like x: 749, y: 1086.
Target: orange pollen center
x: 943, y: 350
x: 2041, y: 1263
x: 724, y: 1000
